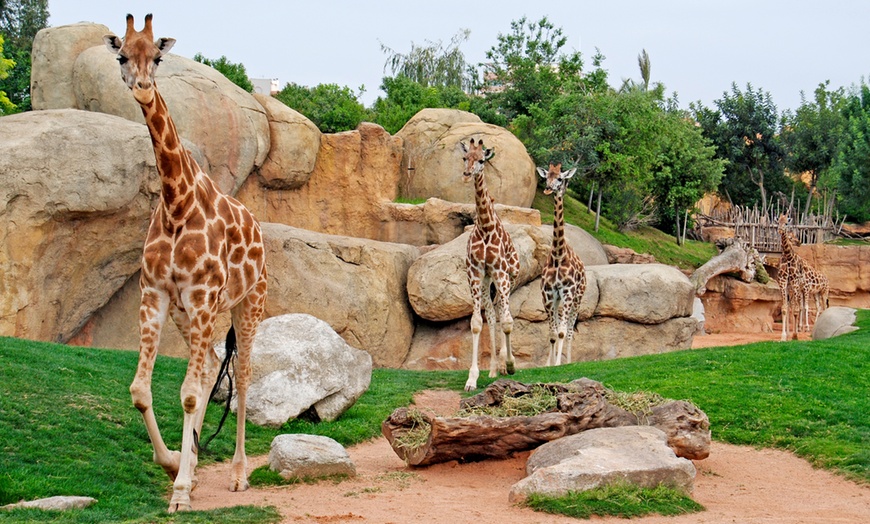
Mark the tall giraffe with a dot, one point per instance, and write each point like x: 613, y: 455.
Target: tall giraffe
x: 491, y: 261
x: 563, y: 280
x: 815, y: 285
x: 203, y: 255
x: 789, y: 276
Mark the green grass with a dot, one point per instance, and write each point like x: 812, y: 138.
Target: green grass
x: 645, y: 240
x: 620, y: 500
x: 69, y: 428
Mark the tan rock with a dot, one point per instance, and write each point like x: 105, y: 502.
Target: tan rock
x: 731, y: 305
x: 295, y: 141
x: 644, y: 293
x: 432, y: 159
x: 847, y: 269
x: 55, y: 50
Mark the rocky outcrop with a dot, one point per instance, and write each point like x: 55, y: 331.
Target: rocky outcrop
x: 637, y: 455
x: 847, y: 269
x: 309, y: 456
x: 293, y: 148
x: 432, y: 159
x: 626, y: 255
x: 731, y: 305
x: 300, y: 365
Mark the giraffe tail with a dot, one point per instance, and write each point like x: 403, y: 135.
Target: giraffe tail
x: 224, y: 372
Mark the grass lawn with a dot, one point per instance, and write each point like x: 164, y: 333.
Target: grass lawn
x: 69, y: 427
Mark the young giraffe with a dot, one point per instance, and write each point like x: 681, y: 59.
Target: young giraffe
x: 814, y: 284
x: 491, y: 261
x: 563, y: 280
x: 789, y: 276
x: 203, y: 255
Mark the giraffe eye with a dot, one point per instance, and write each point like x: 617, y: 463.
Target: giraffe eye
x: 481, y: 161
x: 157, y: 60
x: 122, y: 59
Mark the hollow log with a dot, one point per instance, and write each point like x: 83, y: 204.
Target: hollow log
x: 737, y: 257
x: 581, y: 405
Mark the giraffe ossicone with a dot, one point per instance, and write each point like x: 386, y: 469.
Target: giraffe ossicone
x: 491, y: 264
x: 563, y: 279
x: 203, y: 255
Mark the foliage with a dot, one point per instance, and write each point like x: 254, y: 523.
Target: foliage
x: 236, y: 73
x: 6, y: 105
x: 332, y: 108
x: 20, y: 20
x: 852, y: 163
x: 811, y: 135
x: 432, y: 65
x: 744, y: 129
x: 406, y: 97
x: 622, y: 500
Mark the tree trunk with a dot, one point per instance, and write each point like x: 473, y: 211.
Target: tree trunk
x: 677, y: 221
x: 598, y: 209
x: 581, y: 405
x: 591, y: 193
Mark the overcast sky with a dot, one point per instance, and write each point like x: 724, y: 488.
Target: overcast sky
x: 697, y: 48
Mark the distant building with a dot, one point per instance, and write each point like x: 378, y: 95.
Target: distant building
x: 265, y: 86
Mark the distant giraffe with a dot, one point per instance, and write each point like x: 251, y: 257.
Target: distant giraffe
x: 563, y: 280
x: 491, y: 261
x: 789, y: 276
x: 815, y: 285
x: 203, y: 255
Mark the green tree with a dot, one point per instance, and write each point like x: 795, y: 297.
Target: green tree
x: 811, y: 135
x: 332, y: 108
x: 744, y: 129
x: 433, y: 65
x: 852, y: 163
x: 527, y: 68
x: 6, y: 106
x: 236, y: 73
x: 20, y: 20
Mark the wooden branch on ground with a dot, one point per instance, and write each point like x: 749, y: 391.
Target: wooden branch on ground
x: 581, y: 405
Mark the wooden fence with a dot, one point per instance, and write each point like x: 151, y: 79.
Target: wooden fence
x: 760, y: 229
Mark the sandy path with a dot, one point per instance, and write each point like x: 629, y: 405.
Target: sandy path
x: 736, y: 485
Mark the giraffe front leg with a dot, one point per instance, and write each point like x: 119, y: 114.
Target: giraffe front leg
x: 507, y: 325
x: 491, y: 322
x: 474, y: 371
x: 785, y: 314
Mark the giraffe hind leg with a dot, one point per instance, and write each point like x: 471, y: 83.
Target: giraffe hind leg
x: 492, y: 324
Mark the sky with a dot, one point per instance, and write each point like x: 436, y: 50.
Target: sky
x: 697, y: 48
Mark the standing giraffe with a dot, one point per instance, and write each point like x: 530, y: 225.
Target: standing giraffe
x: 814, y: 284
x: 563, y: 280
x: 492, y: 261
x: 789, y: 276
x: 203, y: 255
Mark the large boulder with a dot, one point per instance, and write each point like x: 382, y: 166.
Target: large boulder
x: 732, y: 306
x: 355, y: 285
x: 300, y: 365
x: 587, y: 247
x: 643, y: 293
x: 437, y: 282
x: 227, y: 123
x: 432, y: 159
x: 74, y: 217
x: 637, y: 455
x: 833, y: 322
x: 295, y: 141
x: 309, y: 456
x: 355, y: 173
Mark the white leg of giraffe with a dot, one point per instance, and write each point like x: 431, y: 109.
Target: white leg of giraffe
x: 503, y: 293
x: 553, y: 317
x: 476, y: 328
x: 492, y: 324
x: 785, y: 312
x: 152, y: 316
x: 572, y: 321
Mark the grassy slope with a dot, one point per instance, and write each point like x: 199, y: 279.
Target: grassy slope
x: 69, y: 428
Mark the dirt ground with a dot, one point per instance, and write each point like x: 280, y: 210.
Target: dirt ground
x: 735, y: 484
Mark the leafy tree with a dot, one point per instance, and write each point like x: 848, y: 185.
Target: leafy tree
x: 20, y: 20
x: 433, y: 65
x: 236, y: 73
x: 527, y: 68
x: 6, y: 106
x: 744, y: 129
x: 332, y: 108
x: 852, y: 162
x: 811, y: 135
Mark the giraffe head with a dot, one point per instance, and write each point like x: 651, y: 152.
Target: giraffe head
x: 139, y: 55
x: 555, y: 180
x: 475, y: 156
x: 782, y: 223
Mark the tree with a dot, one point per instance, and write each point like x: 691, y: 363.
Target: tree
x: 526, y: 68
x: 20, y: 20
x: 6, y: 106
x: 331, y: 107
x: 236, y: 73
x: 852, y: 163
x: 744, y: 129
x: 811, y: 135
x: 432, y: 65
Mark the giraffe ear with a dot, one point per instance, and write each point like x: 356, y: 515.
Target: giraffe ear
x: 164, y: 45
x: 542, y: 172
x: 488, y: 153
x: 568, y: 174
x: 113, y: 43
x: 464, y: 148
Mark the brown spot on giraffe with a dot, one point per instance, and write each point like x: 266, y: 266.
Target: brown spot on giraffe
x: 563, y: 279
x: 181, y: 275
x: 491, y: 260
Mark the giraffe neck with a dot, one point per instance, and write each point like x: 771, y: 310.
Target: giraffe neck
x: 558, y: 251
x: 176, y: 168
x: 486, y: 217
x: 787, y: 248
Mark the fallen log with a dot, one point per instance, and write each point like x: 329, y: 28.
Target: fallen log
x: 580, y: 405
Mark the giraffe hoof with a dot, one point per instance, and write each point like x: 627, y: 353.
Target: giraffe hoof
x: 239, y: 485
x: 510, y: 368
x: 176, y: 507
